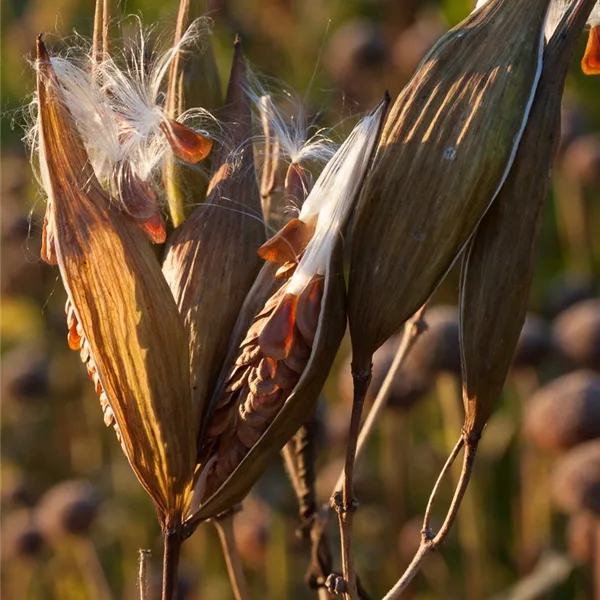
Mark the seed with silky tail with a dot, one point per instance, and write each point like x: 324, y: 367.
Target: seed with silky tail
x: 288, y: 350
x: 211, y: 259
x: 121, y: 313
x: 446, y: 149
x: 498, y: 266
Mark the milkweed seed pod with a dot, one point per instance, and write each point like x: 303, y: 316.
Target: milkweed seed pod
x: 535, y: 344
x: 575, y: 484
x: 577, y: 334
x: 211, y: 259
x: 120, y: 311
x: 446, y: 149
x: 193, y: 81
x: 21, y: 536
x: 498, y: 265
x: 288, y: 350
x: 564, y: 412
x: 69, y: 508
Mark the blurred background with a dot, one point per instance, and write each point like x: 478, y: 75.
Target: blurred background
x: 73, y: 514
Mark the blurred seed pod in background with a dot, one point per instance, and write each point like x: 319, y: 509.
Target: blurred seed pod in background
x: 581, y: 160
x: 581, y: 536
x: 68, y: 508
x: 575, y: 483
x: 566, y: 291
x: 437, y: 349
x: 21, y: 536
x: 535, y: 344
x: 577, y: 334
x: 409, y: 385
x: 25, y: 374
x: 564, y: 412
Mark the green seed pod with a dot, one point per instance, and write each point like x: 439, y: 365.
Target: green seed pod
x: 446, y: 149
x: 498, y: 265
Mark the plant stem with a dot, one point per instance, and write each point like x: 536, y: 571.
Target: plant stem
x: 345, y: 503
x: 429, y: 541
x: 412, y: 330
x: 224, y: 525
x: 143, y: 573
x: 172, y: 546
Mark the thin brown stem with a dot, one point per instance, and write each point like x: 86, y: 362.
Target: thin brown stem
x: 105, y: 21
x: 345, y: 504
x: 224, y: 525
x: 97, y: 35
x: 172, y: 547
x: 172, y: 95
x: 412, y: 330
x: 144, y: 555
x: 429, y: 541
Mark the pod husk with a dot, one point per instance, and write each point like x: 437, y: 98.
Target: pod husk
x: 445, y: 151
x: 498, y: 266
x: 211, y: 261
x: 125, y: 314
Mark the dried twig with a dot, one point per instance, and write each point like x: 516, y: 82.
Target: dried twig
x: 224, y: 525
x: 343, y: 497
x: 144, y: 555
x: 429, y: 540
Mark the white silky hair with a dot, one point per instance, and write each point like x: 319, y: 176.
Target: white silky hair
x: 332, y: 198
x: 300, y: 140
x: 118, y: 103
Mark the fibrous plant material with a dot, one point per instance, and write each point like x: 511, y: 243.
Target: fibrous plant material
x: 448, y: 144
x: 211, y: 261
x: 122, y: 316
x: 498, y: 266
x: 286, y: 355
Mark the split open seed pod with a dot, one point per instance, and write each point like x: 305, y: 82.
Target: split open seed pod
x: 445, y: 151
x: 120, y: 311
x: 287, y: 353
x: 211, y: 261
x: 498, y: 266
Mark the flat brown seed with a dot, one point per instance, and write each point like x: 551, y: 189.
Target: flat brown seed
x: 277, y: 335
x: 186, y: 144
x: 309, y: 309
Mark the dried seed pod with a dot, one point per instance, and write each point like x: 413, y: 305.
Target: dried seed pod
x: 577, y: 334
x: 498, y: 265
x: 289, y: 348
x: 446, y: 149
x: 193, y: 81
x: 535, y: 343
x: 565, y: 412
x: 576, y: 479
x: 21, y: 536
x: 581, y: 536
x: 69, y: 508
x: 121, y: 313
x: 211, y: 260
x: 437, y: 349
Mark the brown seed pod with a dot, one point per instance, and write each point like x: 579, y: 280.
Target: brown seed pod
x: 535, y: 343
x: 577, y: 334
x: 217, y: 243
x: 287, y: 352
x: 498, y: 265
x: 446, y: 149
x: 575, y: 484
x: 437, y: 349
x: 21, y: 536
x: 581, y: 536
x: 565, y: 412
x: 121, y: 313
x: 68, y: 508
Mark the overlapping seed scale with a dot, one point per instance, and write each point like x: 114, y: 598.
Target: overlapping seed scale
x: 260, y: 384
